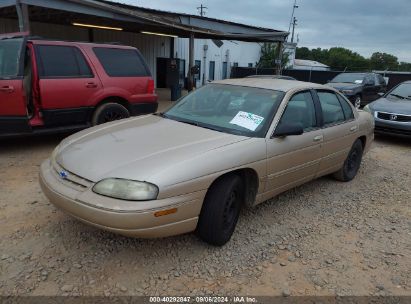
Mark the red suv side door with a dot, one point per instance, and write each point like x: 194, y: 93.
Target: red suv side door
x: 68, y: 83
x: 12, y: 95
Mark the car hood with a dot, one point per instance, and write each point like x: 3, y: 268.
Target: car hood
x: 137, y: 148
x: 344, y: 86
x: 392, y: 105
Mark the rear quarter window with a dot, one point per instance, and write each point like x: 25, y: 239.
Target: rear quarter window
x: 121, y: 62
x: 348, y: 113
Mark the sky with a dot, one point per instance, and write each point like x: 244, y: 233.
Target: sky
x: 364, y: 26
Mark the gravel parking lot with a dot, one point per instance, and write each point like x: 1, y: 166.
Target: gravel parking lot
x: 323, y: 238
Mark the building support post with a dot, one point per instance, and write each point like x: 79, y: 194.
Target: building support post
x: 23, y: 15
x: 191, y: 63
x: 279, y: 58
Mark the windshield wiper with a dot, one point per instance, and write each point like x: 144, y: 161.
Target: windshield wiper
x: 399, y: 96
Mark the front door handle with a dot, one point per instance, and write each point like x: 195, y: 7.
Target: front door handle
x: 353, y: 128
x: 7, y: 89
x: 318, y: 138
x: 91, y: 85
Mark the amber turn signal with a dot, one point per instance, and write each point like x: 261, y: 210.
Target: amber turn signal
x: 165, y: 212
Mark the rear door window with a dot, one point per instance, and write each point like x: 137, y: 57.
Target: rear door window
x: 121, y: 62
x: 331, y: 108
x: 57, y: 61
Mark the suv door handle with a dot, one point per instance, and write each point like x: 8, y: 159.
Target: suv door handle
x: 7, y: 89
x: 91, y: 85
x: 318, y: 138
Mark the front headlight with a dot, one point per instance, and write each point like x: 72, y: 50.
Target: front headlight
x: 126, y: 189
x: 347, y: 92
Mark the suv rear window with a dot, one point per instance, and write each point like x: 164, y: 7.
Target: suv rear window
x: 57, y: 61
x: 121, y: 62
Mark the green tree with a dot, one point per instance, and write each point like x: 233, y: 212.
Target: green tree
x: 384, y: 61
x: 404, y: 67
x: 269, y: 54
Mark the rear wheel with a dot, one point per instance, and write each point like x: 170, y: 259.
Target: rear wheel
x: 220, y: 211
x: 109, y: 112
x: 351, y: 164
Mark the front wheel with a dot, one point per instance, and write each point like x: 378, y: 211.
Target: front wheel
x: 220, y: 211
x: 351, y: 164
x: 109, y: 112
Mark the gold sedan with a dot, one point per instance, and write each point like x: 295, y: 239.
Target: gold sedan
x: 228, y: 145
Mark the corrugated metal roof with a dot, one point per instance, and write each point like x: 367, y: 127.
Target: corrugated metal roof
x: 136, y: 19
x: 177, y: 14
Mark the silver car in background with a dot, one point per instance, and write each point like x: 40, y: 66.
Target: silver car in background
x: 392, y: 112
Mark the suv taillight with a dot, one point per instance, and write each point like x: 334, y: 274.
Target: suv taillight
x: 150, y: 86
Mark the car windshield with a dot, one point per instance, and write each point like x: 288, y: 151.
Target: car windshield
x: 231, y: 109
x: 403, y: 91
x: 349, y: 78
x: 10, y: 52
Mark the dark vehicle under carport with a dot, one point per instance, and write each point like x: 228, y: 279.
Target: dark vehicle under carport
x: 359, y: 88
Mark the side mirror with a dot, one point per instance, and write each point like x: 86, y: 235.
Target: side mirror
x: 288, y: 129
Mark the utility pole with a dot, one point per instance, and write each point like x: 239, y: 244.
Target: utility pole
x: 292, y: 19
x: 202, y: 9
x: 294, y: 24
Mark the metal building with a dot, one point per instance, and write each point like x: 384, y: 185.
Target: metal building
x: 215, y: 45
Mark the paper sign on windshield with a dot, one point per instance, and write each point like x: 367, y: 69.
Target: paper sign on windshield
x: 247, y: 120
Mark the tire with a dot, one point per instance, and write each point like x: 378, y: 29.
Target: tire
x: 109, y: 112
x: 220, y: 211
x: 351, y: 164
x: 357, y: 101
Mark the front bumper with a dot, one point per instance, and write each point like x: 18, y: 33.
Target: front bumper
x: 137, y: 223
x: 389, y: 127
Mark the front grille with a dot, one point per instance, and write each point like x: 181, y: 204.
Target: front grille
x: 72, y: 180
x: 394, y: 117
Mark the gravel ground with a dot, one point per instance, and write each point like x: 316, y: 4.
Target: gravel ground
x: 323, y: 238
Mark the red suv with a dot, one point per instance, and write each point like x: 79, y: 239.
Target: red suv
x: 50, y: 86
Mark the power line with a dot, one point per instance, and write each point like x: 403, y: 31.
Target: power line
x: 294, y: 25
x: 201, y: 9
x: 293, y: 19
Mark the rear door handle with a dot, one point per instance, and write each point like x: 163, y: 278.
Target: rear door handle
x: 91, y: 85
x: 318, y: 138
x: 353, y: 128
x: 7, y: 89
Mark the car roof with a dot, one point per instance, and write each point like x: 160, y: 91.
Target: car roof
x: 273, y: 84
x: 272, y: 77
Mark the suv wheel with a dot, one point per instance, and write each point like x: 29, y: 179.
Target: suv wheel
x: 357, y: 101
x: 220, y: 211
x: 109, y: 112
x: 351, y: 164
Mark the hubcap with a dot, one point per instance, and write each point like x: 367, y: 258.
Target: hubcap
x: 353, y: 161
x: 230, y: 210
x: 112, y: 115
